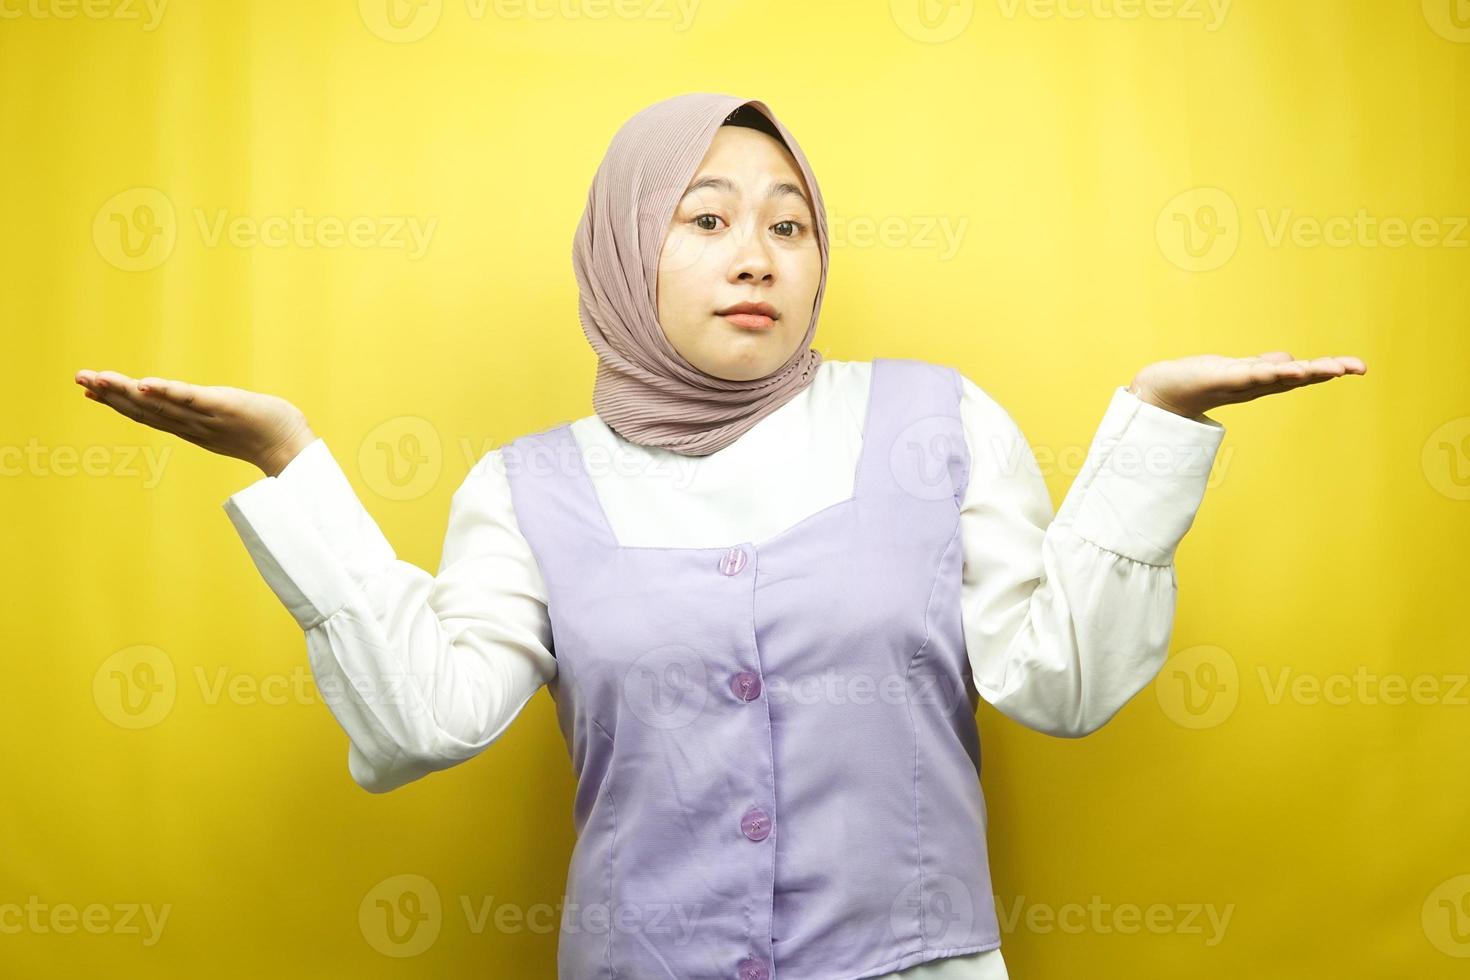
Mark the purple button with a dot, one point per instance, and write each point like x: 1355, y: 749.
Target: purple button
x: 756, y: 824
x: 746, y: 685
x: 753, y: 969
x: 732, y: 561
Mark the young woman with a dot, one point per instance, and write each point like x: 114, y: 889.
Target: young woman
x: 766, y: 590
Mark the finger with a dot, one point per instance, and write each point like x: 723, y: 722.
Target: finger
x: 153, y: 402
x: 124, y: 395
x: 1323, y: 368
x: 1334, y: 367
x: 130, y: 409
x: 1280, y: 385
x: 1282, y: 370
x: 111, y: 383
x: 91, y: 385
x: 154, y: 414
x: 88, y: 380
x: 1257, y: 391
x: 1247, y: 374
x: 150, y: 405
x: 196, y: 398
x: 1298, y: 369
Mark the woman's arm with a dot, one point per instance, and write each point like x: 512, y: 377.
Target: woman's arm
x: 1068, y: 616
x: 422, y: 671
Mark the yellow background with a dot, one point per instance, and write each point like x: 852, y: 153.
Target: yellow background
x: 1068, y: 156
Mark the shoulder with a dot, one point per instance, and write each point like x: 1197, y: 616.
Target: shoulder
x: 835, y: 371
x: 979, y: 403
x: 852, y: 380
x: 997, y: 446
x: 985, y: 421
x: 923, y: 371
x: 983, y: 415
x: 844, y: 381
x: 490, y: 476
x: 974, y: 398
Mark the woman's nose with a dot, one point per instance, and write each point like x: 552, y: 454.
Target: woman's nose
x: 752, y: 259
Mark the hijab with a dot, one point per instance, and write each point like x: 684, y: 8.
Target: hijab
x: 645, y: 390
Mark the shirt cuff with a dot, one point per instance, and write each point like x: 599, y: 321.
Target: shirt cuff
x: 1143, y: 480
x: 309, y: 535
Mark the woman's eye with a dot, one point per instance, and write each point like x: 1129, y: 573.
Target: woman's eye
x: 796, y: 227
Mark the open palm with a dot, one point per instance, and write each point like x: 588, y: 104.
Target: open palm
x: 259, y: 428
x: 1193, y: 385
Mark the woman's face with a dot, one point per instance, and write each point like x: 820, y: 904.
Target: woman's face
x: 743, y: 232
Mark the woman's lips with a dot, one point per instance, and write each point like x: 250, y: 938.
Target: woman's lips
x: 749, y: 321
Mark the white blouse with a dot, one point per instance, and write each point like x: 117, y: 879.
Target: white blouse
x: 1066, y: 616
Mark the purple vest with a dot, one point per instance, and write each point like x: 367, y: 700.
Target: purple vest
x: 775, y: 744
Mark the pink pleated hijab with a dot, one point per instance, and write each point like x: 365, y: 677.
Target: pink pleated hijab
x: 646, y: 391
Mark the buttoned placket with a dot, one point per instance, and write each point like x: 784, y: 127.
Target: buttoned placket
x: 755, y: 823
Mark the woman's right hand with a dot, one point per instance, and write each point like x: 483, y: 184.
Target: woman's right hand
x: 258, y: 428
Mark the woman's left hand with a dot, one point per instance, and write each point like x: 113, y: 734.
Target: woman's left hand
x: 1191, y: 386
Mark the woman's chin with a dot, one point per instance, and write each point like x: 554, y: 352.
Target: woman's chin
x: 746, y: 359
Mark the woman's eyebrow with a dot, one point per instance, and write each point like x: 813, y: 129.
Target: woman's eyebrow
x: 778, y: 188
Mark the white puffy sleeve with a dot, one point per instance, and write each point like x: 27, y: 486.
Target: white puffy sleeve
x: 1066, y: 618
x: 422, y: 671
